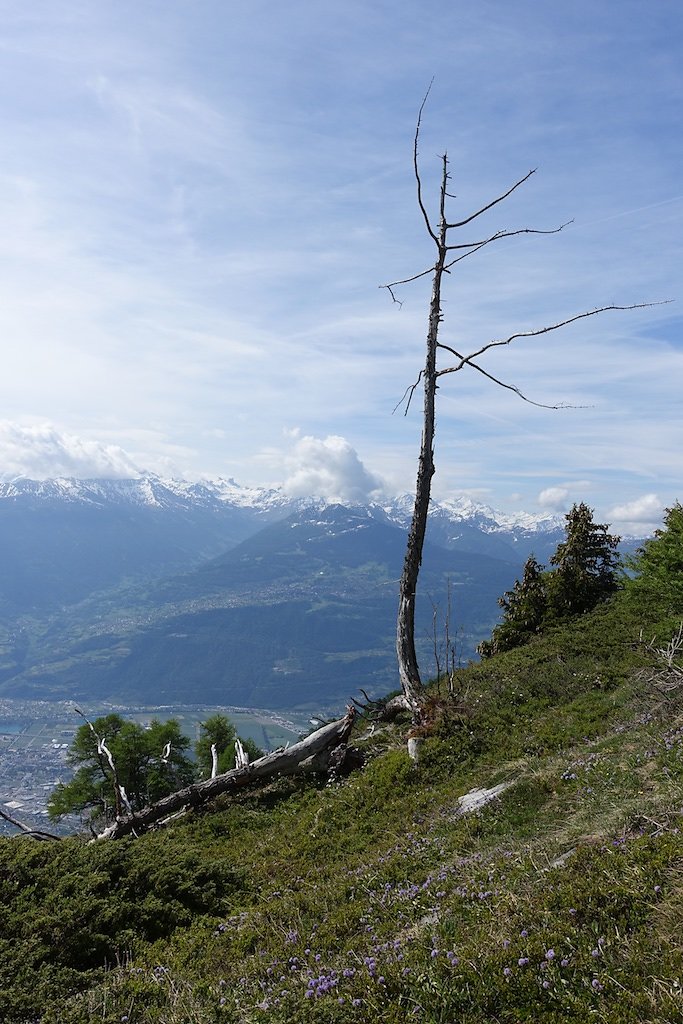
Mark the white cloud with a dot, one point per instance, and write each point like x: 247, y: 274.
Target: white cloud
x: 192, y: 245
x: 40, y: 452
x: 328, y: 468
x: 642, y: 514
x: 554, y: 498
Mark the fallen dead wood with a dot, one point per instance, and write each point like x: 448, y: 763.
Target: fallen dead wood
x: 478, y: 798
x: 26, y: 829
x: 312, y: 754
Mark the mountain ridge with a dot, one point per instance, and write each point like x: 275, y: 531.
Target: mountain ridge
x: 151, y: 588
x: 154, y: 491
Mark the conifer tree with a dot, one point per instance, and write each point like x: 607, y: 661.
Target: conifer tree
x: 587, y: 565
x: 586, y: 572
x: 524, y: 609
x: 658, y: 565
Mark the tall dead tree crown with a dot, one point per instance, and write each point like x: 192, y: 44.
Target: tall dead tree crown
x: 448, y: 254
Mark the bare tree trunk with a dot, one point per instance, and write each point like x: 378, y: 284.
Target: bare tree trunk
x: 311, y: 754
x: 447, y: 256
x: 408, y: 668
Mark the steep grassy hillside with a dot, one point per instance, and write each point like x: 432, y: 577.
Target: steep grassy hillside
x: 375, y: 897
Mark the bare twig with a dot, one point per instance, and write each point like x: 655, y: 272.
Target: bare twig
x: 408, y: 394
x: 562, y: 323
x: 416, y: 167
x: 494, y: 202
x: 467, y: 361
x: 474, y: 247
x: 669, y: 652
x: 406, y: 280
x: 507, y: 234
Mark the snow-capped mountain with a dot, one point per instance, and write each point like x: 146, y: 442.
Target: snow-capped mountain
x: 154, y: 492
x: 145, y: 491
x: 62, y: 539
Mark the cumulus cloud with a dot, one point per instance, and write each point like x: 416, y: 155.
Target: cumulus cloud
x: 328, y: 468
x: 554, y: 498
x: 641, y: 514
x: 41, y: 452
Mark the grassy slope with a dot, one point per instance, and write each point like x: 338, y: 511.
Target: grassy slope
x: 373, y: 898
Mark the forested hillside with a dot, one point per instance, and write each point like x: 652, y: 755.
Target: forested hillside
x: 378, y: 895
x: 109, y: 593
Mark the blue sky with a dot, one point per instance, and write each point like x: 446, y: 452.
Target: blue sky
x: 200, y: 200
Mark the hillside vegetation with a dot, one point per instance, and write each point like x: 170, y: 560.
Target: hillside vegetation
x: 375, y: 897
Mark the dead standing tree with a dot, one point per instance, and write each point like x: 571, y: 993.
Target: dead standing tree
x: 448, y: 253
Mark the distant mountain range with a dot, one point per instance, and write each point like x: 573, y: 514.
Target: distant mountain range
x: 162, y: 591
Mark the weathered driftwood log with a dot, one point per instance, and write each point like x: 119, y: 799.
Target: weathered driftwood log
x: 310, y: 754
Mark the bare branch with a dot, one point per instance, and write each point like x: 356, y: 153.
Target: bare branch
x: 408, y: 393
x: 406, y: 280
x: 416, y: 167
x: 562, y: 323
x: 442, y: 202
x: 508, y: 234
x: 668, y: 653
x: 26, y: 829
x: 494, y: 202
x: 467, y: 361
x: 241, y: 755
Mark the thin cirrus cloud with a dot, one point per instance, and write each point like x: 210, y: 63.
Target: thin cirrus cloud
x: 199, y: 206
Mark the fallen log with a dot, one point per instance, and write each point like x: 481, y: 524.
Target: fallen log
x: 311, y: 754
x: 26, y: 830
